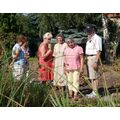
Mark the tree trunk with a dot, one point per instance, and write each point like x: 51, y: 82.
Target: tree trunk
x: 106, y: 37
x: 116, y: 45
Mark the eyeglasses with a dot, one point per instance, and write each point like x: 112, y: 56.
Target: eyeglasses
x: 49, y: 38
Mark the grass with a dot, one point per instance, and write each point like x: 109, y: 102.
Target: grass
x: 20, y: 93
x: 109, y: 100
x: 32, y: 59
x: 24, y: 93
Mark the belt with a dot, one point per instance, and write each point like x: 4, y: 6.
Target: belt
x: 91, y: 55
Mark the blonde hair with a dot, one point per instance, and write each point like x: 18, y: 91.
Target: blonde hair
x: 48, y: 34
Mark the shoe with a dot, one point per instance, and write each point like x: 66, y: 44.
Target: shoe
x: 76, y: 98
x: 70, y: 97
x: 91, y: 95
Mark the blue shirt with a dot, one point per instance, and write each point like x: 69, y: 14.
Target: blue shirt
x: 26, y: 52
x: 20, y: 59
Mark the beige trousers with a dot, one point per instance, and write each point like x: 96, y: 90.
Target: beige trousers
x: 93, y: 74
x: 73, y: 80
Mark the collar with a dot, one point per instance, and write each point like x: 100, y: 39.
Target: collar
x: 91, y: 37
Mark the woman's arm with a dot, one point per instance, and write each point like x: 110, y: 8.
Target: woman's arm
x: 54, y: 51
x: 16, y: 55
x: 65, y: 63
x: 44, y: 53
x: 81, y: 63
x: 27, y: 55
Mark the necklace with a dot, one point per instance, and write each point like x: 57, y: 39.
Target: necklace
x: 59, y: 48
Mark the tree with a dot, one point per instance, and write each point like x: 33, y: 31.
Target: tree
x: 106, y: 37
x: 34, y: 25
x: 110, y: 38
x: 11, y: 25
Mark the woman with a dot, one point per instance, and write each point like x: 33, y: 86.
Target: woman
x: 59, y: 76
x: 73, y: 67
x: 18, y: 58
x: 45, y: 59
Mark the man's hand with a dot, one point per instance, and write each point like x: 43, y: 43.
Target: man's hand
x: 95, y: 66
x: 81, y: 71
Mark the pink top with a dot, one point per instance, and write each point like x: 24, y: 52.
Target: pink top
x: 72, y: 57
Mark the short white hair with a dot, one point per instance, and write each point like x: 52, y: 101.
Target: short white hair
x: 48, y: 34
x: 69, y: 40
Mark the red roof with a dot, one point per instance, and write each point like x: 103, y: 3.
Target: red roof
x: 113, y: 15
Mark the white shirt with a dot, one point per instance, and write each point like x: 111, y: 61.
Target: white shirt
x: 93, y: 45
x: 15, y: 48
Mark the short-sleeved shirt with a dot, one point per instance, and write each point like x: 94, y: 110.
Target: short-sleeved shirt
x: 72, y: 57
x: 20, y: 59
x: 59, y: 49
x: 93, y: 45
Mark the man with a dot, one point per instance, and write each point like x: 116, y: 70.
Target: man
x: 93, y: 51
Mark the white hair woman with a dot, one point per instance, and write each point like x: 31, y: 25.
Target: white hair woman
x: 45, y: 59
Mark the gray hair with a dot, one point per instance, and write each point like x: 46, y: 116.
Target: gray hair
x: 69, y: 39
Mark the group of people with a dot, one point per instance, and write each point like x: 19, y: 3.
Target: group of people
x: 65, y: 68
x: 63, y: 64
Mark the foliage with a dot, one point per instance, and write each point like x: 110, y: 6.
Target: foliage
x: 113, y: 29
x: 8, y: 40
x: 20, y: 93
x: 11, y: 25
x: 54, y: 22
x: 34, y: 25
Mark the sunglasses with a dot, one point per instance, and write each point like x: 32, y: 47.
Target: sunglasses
x: 49, y: 38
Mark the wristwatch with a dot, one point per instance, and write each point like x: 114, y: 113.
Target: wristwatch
x: 96, y: 62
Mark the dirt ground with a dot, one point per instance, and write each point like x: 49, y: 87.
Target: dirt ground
x: 109, y: 74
